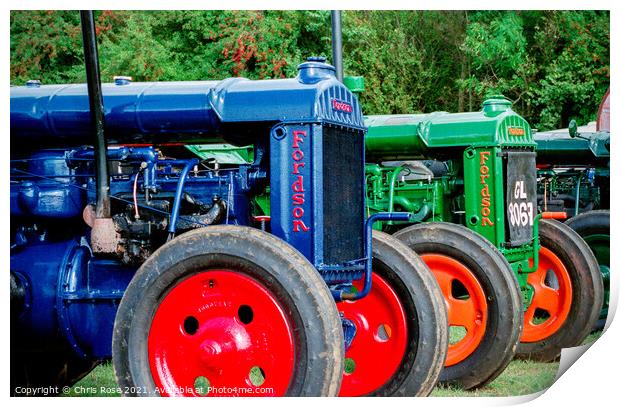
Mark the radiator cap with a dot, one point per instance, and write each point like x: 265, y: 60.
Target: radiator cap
x: 495, y: 105
x: 314, y: 70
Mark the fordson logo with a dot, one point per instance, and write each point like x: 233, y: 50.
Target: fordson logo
x: 299, y: 192
x: 484, y: 192
x: 341, y: 106
x: 516, y: 131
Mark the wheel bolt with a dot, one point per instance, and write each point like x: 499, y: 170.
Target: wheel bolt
x: 209, y: 350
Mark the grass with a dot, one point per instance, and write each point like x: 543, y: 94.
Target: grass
x: 98, y: 383
x: 519, y: 378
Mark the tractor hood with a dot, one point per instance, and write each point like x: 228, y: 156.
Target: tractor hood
x: 420, y: 135
x: 188, y: 112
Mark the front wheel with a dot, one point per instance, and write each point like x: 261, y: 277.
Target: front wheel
x: 482, y: 295
x: 594, y: 228
x: 401, y: 327
x: 567, y: 294
x: 224, y: 311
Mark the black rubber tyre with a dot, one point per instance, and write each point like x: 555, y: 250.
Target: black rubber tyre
x: 594, y: 228
x: 44, y: 369
x: 587, y: 292
x: 426, y: 315
x: 280, y: 269
x: 504, y: 319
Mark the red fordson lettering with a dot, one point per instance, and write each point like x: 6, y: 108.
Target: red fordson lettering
x: 341, y: 106
x: 484, y: 192
x: 299, y: 194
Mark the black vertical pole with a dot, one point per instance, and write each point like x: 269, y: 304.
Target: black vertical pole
x: 337, y: 44
x: 95, y: 100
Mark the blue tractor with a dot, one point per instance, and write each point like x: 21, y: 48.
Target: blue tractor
x: 126, y: 246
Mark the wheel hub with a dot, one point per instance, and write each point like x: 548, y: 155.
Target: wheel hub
x: 220, y: 333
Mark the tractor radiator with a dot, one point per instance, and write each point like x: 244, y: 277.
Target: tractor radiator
x: 521, y: 199
x: 343, y: 195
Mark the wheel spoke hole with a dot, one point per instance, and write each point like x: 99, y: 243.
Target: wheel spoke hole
x: 459, y: 291
x: 257, y: 376
x: 457, y: 333
x: 202, y: 385
x: 190, y: 325
x: 349, y: 365
x: 540, y: 316
x: 245, y: 314
x: 551, y: 280
x: 384, y: 332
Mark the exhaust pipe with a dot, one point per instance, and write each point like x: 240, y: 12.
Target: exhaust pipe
x: 337, y: 43
x: 103, y: 235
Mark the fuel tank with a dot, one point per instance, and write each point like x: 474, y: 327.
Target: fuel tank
x: 48, y: 116
x: 442, y: 135
x: 58, y: 115
x: 557, y: 147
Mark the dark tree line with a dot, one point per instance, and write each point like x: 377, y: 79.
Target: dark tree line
x: 554, y: 65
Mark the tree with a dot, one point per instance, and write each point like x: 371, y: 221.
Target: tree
x: 554, y: 65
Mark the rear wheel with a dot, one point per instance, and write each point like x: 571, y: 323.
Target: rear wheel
x: 228, y: 310
x: 402, y: 321
x: 568, y: 294
x: 594, y: 228
x: 481, y: 292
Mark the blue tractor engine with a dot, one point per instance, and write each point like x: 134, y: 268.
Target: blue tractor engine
x: 180, y: 224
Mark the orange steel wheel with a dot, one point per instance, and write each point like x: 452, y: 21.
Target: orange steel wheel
x: 551, y: 295
x: 467, y: 310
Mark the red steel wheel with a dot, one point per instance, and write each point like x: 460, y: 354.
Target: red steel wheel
x: 468, y: 309
x: 381, y: 325
x: 218, y: 331
x: 225, y: 307
x: 553, y: 293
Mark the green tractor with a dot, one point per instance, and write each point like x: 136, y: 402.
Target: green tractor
x: 470, y: 179
x: 574, y: 177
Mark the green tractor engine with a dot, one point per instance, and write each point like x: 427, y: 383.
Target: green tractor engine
x: 476, y: 169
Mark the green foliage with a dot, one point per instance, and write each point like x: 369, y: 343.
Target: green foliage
x: 407, y: 58
x: 45, y: 44
x: 553, y: 64
x: 216, y: 45
x: 497, y: 53
x: 576, y: 80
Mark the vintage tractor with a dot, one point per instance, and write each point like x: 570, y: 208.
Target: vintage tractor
x: 574, y: 177
x: 125, y: 245
x: 469, y: 182
x: 515, y: 281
